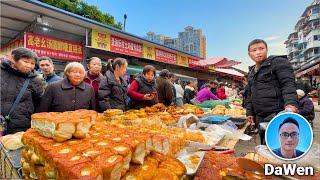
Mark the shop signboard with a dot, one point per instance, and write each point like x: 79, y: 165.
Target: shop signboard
x: 211, y: 68
x: 165, y: 56
x: 6, y: 50
x: 54, y: 48
x: 193, y: 63
x: 125, y: 46
x: 182, y: 60
x: 149, y: 52
x: 100, y: 40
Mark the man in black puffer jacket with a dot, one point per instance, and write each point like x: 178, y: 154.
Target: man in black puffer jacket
x: 13, y: 75
x: 271, y: 85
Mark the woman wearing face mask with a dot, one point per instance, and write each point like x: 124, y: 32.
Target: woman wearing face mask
x: 16, y: 73
x: 93, y: 75
x: 112, y: 93
x: 143, y: 90
x: 69, y: 94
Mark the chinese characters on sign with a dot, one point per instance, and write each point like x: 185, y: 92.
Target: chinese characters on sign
x: 182, y: 60
x: 109, y: 42
x: 165, y: 56
x: 54, y: 48
x: 193, y: 63
x: 124, y: 46
x: 149, y: 52
x: 100, y: 40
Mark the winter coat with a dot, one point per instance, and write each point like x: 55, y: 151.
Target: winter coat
x: 165, y: 91
x: 112, y: 94
x: 245, y: 96
x: 221, y: 93
x: 205, y: 94
x: 179, y: 90
x: 138, y: 88
x: 93, y: 81
x: 11, y: 84
x: 61, y: 96
x: 189, y: 93
x: 52, y: 78
x: 306, y: 108
x: 271, y: 87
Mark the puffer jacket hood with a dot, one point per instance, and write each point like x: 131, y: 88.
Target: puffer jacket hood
x: 6, y: 65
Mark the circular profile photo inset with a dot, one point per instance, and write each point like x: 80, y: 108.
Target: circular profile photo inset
x: 289, y: 136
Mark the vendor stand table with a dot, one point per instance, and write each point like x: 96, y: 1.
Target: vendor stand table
x: 10, y: 167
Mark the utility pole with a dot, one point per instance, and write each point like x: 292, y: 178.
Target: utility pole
x: 124, y: 23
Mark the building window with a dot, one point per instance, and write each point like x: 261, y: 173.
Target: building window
x: 191, y: 48
x: 315, y: 10
x: 316, y: 37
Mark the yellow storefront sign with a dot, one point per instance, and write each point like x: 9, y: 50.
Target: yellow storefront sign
x: 100, y: 40
x: 149, y: 52
x: 182, y: 60
x: 211, y: 68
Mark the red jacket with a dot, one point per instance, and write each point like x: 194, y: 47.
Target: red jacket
x: 221, y: 93
x: 133, y: 91
x: 136, y: 92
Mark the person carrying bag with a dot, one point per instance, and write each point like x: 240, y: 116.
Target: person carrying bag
x: 4, y: 120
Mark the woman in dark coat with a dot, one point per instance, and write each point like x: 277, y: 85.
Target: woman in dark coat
x: 69, y: 94
x: 306, y: 107
x: 190, y: 92
x: 164, y: 88
x: 142, y: 90
x: 13, y: 75
x: 112, y: 93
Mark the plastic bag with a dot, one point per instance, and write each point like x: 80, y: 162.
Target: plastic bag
x: 187, y: 120
x: 230, y: 133
x: 214, y: 119
x: 213, y: 103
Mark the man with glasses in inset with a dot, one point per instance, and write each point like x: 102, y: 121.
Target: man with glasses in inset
x: 289, y: 139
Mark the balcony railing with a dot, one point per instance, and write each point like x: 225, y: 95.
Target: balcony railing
x: 308, y: 29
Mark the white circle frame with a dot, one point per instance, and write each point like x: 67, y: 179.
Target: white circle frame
x: 266, y: 139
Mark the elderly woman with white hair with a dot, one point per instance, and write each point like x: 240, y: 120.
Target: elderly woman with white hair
x: 69, y: 94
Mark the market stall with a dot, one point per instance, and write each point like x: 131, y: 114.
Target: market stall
x: 154, y: 129
x: 150, y: 143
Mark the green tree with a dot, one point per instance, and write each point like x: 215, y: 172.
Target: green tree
x: 83, y: 9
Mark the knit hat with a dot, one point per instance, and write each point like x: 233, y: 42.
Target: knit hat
x: 300, y: 92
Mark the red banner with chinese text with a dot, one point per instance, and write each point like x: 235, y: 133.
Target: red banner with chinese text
x: 125, y: 46
x: 54, y: 47
x: 165, y: 56
x: 193, y: 63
